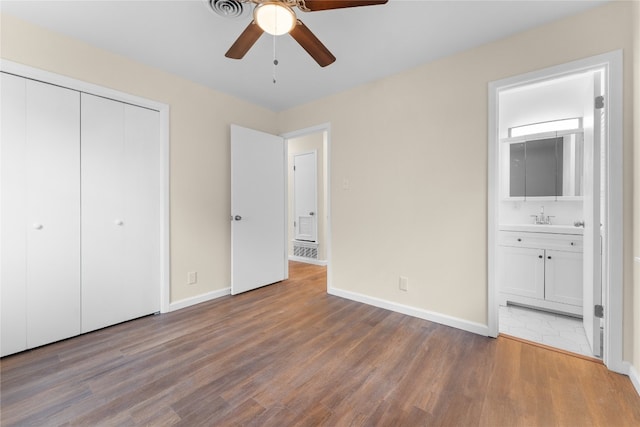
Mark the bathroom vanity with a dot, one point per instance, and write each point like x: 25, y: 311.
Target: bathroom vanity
x: 541, y: 266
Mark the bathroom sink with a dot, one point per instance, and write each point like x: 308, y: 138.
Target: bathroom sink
x: 542, y: 228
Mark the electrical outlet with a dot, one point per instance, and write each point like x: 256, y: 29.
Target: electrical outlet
x: 404, y: 283
x: 192, y: 278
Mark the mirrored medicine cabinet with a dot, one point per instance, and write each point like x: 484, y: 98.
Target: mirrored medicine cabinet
x: 548, y: 165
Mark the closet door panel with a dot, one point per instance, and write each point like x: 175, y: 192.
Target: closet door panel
x: 53, y: 219
x: 142, y: 210
x: 13, y: 206
x: 103, y: 220
x: 121, y: 212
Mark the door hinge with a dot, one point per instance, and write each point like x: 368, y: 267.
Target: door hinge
x: 598, y: 311
x: 599, y: 102
x: 294, y: 168
x: 295, y: 224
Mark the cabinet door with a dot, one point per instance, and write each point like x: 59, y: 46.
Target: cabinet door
x: 121, y: 212
x: 563, y: 277
x: 522, y: 272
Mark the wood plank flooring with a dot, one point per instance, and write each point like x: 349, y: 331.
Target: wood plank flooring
x: 291, y: 355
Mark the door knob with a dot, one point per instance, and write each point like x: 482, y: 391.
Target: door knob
x: 312, y: 213
x: 38, y: 226
x: 238, y: 218
x: 579, y: 223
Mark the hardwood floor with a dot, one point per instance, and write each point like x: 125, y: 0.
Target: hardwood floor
x: 289, y: 354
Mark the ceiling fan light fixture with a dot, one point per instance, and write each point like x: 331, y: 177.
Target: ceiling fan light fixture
x: 274, y: 18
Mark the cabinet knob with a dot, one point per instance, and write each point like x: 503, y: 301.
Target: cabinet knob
x: 573, y: 244
x: 548, y: 257
x: 540, y: 256
x: 118, y: 222
x: 38, y: 226
x: 519, y: 239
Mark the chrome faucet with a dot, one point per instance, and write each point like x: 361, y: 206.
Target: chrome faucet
x: 541, y: 219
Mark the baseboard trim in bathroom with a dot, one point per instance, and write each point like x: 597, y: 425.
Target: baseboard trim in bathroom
x: 557, y: 350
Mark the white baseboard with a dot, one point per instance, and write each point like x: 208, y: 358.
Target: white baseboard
x: 431, y: 316
x: 634, y: 376
x: 308, y: 260
x: 187, y: 302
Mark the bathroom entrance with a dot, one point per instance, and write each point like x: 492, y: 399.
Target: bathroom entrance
x: 555, y: 197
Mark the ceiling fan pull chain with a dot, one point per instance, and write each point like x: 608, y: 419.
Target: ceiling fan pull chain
x: 275, y: 61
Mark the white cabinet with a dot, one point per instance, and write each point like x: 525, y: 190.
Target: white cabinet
x: 563, y: 277
x: 541, y: 270
x: 80, y: 213
x: 40, y: 213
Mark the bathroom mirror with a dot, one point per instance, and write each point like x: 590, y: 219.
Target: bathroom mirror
x: 546, y: 166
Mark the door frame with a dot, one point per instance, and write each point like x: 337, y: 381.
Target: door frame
x: 324, y: 128
x: 613, y: 286
x: 10, y: 67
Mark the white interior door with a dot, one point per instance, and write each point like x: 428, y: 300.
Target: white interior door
x: 120, y: 212
x: 305, y: 198
x: 258, y: 197
x: 591, y: 211
x: 53, y: 213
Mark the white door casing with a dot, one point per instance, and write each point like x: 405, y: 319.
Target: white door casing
x: 258, y: 209
x: 305, y: 184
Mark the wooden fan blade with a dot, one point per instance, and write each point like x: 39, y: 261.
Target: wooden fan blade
x: 314, y: 47
x: 241, y: 46
x: 314, y: 5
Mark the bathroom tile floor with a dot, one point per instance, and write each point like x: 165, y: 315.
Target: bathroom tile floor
x: 556, y: 330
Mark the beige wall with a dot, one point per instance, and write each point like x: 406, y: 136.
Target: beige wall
x: 413, y: 148
x: 199, y: 125
x: 302, y: 144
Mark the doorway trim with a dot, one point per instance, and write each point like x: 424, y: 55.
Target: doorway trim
x: 324, y: 128
x: 613, y: 286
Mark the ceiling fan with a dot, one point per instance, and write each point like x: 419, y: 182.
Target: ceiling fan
x: 277, y: 17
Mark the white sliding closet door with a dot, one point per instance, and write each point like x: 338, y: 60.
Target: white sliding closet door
x: 120, y: 212
x: 40, y: 213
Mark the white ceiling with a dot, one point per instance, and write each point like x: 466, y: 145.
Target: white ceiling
x: 186, y: 38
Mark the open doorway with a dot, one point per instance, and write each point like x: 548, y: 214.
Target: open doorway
x: 308, y: 196
x: 545, y: 260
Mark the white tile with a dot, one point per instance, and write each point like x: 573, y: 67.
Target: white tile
x: 556, y: 330
x: 559, y: 342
